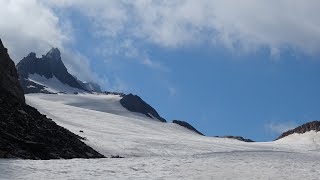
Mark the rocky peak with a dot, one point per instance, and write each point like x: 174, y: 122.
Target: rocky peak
x: 54, y: 54
x: 32, y: 55
x: 49, y: 66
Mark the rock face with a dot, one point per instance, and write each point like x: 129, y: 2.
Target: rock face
x: 310, y: 126
x: 187, y: 125
x: 49, y: 66
x: 24, y: 132
x: 135, y: 104
x: 240, y: 138
x: 9, y: 84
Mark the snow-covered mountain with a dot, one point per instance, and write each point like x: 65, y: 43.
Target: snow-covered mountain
x: 48, y: 74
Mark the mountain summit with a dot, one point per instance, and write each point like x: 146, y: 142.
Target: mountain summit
x: 37, y: 74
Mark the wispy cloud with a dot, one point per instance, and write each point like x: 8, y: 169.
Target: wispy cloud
x: 30, y: 26
x: 280, y: 127
x: 131, y: 51
x: 172, y: 91
x: 246, y: 25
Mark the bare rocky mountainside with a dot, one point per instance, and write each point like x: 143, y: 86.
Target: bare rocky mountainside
x: 24, y: 132
x: 310, y: 126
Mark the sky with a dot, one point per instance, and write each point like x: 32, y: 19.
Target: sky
x: 246, y: 68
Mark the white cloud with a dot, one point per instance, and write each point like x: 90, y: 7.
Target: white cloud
x: 27, y: 26
x: 31, y: 26
x: 245, y: 25
x: 79, y: 65
x: 280, y: 127
x: 131, y: 51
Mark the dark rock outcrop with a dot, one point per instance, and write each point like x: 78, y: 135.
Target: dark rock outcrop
x: 135, y: 104
x: 9, y: 84
x: 114, y: 93
x: 24, y: 132
x: 240, y: 138
x: 187, y: 125
x: 310, y: 126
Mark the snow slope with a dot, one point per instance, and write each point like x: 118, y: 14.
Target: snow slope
x: 98, y: 102
x: 53, y: 85
x: 155, y: 150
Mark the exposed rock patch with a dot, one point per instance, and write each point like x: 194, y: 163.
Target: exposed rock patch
x: 187, y: 125
x: 240, y: 138
x: 135, y: 104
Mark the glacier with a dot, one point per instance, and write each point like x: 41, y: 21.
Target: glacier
x: 156, y: 150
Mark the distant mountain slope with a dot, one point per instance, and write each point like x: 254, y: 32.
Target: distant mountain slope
x: 43, y: 75
x: 239, y: 138
x: 24, y: 132
x: 310, y: 126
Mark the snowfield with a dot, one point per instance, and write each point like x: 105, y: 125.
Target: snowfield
x: 53, y: 84
x: 156, y: 150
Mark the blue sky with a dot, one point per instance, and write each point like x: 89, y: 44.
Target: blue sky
x: 248, y: 69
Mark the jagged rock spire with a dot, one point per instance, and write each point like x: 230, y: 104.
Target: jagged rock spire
x: 54, y: 54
